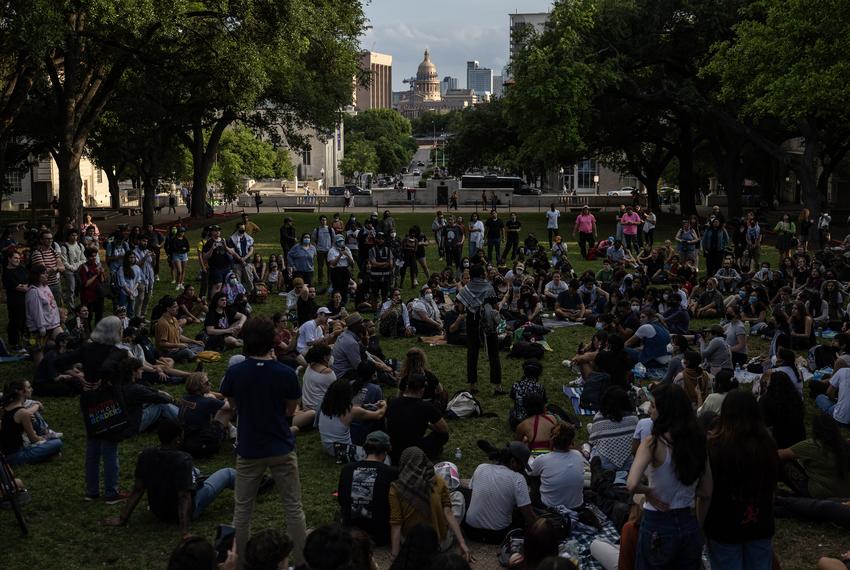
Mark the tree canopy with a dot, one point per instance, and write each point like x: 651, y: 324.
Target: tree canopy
x: 387, y: 132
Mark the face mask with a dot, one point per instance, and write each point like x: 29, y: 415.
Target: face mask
x: 670, y: 349
x: 599, y: 326
x: 743, y: 294
x: 754, y: 300
x: 233, y: 282
x: 666, y: 296
x: 429, y: 296
x: 392, y: 235
x: 635, y: 308
x: 466, y: 264
x: 518, y: 271
x: 306, y: 241
x: 241, y: 231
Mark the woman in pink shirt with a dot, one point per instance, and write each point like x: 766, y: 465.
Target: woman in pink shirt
x: 586, y: 229
x: 631, y: 220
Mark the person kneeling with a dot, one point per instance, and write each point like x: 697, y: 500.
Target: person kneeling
x: 172, y: 482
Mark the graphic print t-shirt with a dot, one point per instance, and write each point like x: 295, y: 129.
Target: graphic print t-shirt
x: 364, y: 489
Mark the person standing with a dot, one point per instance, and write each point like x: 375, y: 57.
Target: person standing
x: 323, y: 237
x: 715, y: 240
x: 301, y: 259
x: 495, y: 233
x: 476, y: 234
x: 474, y: 296
x: 243, y: 244
x: 552, y: 223
x: 46, y: 255
x: 179, y: 251
x: 649, y: 222
x: 823, y: 227
x: 91, y: 278
x: 265, y: 394
x: 16, y: 284
x: 380, y: 267
x: 145, y: 259
x: 287, y: 235
x: 43, y: 320
x: 172, y: 203
x: 630, y: 222
x: 744, y: 463
x: 437, y: 229
x: 340, y: 262
x: 512, y: 229
x: 155, y: 240
x: 586, y: 229
x: 72, y: 254
x: 675, y: 461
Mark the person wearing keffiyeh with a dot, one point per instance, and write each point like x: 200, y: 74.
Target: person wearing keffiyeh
x: 419, y: 497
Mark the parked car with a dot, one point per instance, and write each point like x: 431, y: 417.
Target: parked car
x: 420, y: 163
x: 352, y: 188
x: 526, y: 190
x: 624, y: 191
x: 417, y: 172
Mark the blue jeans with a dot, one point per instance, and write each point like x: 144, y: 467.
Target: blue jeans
x: 95, y: 450
x: 493, y: 244
x: 669, y: 539
x: 752, y: 555
x: 124, y: 300
x: 36, y: 453
x: 825, y: 404
x: 213, y: 486
x: 153, y: 412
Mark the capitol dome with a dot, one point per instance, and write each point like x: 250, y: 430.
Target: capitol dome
x: 427, y: 83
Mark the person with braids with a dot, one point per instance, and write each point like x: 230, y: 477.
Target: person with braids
x: 675, y: 461
x: 420, y: 497
x: 739, y: 524
x: 818, y: 467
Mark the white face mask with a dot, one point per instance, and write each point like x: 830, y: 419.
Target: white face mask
x: 635, y: 308
x: 599, y: 326
x: 670, y: 349
x: 429, y: 296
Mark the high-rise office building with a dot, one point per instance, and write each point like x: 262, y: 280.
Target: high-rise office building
x: 378, y: 94
x: 518, y: 23
x: 448, y: 83
x: 479, y: 79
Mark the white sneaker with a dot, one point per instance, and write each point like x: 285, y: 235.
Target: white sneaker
x: 566, y: 363
x: 156, y: 278
x: 173, y: 281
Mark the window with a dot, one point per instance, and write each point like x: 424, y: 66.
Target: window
x: 627, y: 180
x: 586, y: 172
x: 305, y: 157
x: 99, y: 176
x: 13, y: 181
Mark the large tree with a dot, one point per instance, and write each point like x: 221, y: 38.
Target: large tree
x: 388, y: 132
x: 789, y: 62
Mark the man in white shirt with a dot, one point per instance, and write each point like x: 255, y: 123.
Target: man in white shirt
x: 312, y: 331
x: 836, y: 401
x: 552, y: 216
x: 554, y: 288
x: 340, y: 262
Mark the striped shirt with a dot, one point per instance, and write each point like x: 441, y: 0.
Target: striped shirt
x: 49, y: 259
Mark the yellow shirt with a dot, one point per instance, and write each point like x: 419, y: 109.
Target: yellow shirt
x: 251, y: 228
x: 408, y: 517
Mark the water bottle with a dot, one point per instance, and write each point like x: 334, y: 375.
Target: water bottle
x: 458, y: 454
x: 737, y: 371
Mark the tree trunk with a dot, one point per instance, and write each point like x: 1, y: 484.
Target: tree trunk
x: 70, y: 184
x: 148, y: 200
x: 203, y: 159
x: 806, y: 167
x: 114, y: 193
x: 650, y: 180
x: 687, y: 184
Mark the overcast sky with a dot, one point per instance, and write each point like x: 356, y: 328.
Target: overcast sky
x: 454, y: 30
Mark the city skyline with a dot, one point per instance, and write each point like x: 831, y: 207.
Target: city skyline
x: 475, y: 30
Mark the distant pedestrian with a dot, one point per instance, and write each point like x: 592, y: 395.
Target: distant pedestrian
x: 453, y: 203
x: 172, y: 203
x: 552, y: 222
x: 258, y: 201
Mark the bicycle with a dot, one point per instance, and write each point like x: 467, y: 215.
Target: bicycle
x: 9, y: 492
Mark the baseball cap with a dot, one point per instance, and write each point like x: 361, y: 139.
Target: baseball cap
x: 378, y: 438
x: 323, y: 311
x: 340, y: 238
x: 519, y: 451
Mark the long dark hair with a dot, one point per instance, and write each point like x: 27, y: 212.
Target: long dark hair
x: 743, y: 453
x: 825, y: 431
x: 782, y: 398
x: 615, y: 404
x: 337, y: 400
x: 126, y: 266
x: 541, y: 540
x: 10, y: 392
x: 676, y: 417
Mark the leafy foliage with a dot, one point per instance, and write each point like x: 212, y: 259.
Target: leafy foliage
x: 387, y: 132
x: 360, y: 156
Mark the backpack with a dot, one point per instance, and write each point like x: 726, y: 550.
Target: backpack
x: 463, y: 405
x: 526, y: 349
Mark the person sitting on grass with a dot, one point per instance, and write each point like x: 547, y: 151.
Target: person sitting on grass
x: 569, y: 305
x: 202, y: 412
x: 175, y: 490
x: 409, y: 418
x: 222, y: 324
x: 694, y: 379
x: 190, y: 306
x: 17, y: 422
x: 527, y: 385
x: 334, y: 421
x: 818, y: 467
x: 500, y: 500
x: 654, y: 338
x: 610, y: 434
x: 144, y: 405
x: 535, y: 431
x: 368, y: 508
x: 561, y: 471
x: 418, y: 496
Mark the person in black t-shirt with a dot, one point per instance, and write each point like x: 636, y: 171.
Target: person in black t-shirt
x: 175, y: 490
x: 494, y: 229
x: 219, y: 256
x: 409, y: 417
x: 569, y: 305
x: 512, y: 229
x: 223, y: 324
x: 364, y: 489
x: 454, y: 323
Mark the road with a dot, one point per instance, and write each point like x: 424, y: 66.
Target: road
x: 423, y: 154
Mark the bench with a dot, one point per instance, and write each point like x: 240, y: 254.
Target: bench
x: 303, y: 209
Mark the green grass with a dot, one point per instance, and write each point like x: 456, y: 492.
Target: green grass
x: 66, y: 532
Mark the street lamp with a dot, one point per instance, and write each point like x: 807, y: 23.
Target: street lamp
x: 596, y: 183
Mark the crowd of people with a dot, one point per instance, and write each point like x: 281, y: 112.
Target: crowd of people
x: 678, y: 457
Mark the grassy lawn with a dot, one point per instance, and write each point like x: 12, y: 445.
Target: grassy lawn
x: 66, y: 532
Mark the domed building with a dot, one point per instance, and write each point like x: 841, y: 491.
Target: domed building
x: 424, y: 94
x: 427, y: 86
